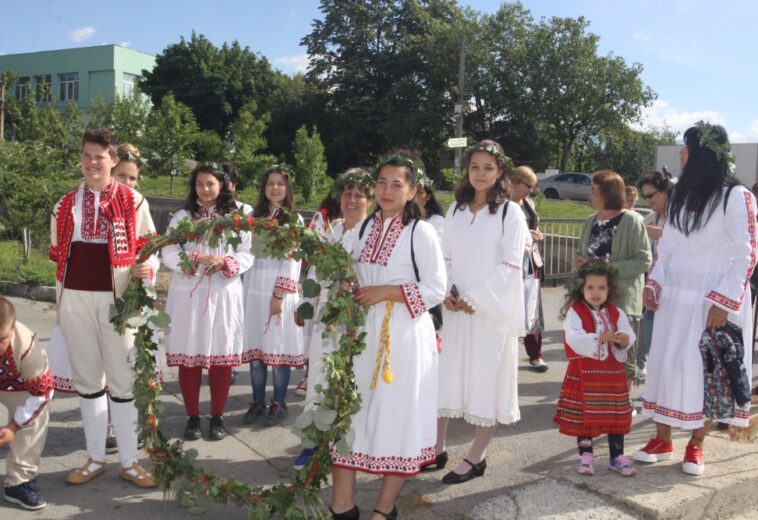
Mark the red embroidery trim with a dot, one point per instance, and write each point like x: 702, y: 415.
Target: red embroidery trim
x: 274, y: 360
x: 668, y: 412
x: 231, y: 267
x: 383, y: 465
x: 92, y: 228
x: 379, y: 252
x: 202, y: 360
x: 285, y: 284
x: 413, y: 300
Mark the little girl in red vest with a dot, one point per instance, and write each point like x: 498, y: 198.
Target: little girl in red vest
x: 595, y: 397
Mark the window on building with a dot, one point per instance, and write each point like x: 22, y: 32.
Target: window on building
x: 130, y: 84
x: 22, y: 88
x: 69, y: 86
x: 43, y: 86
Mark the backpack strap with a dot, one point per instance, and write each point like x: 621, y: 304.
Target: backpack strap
x: 413, y: 253
x: 726, y: 197
x: 505, y: 212
x: 363, y: 227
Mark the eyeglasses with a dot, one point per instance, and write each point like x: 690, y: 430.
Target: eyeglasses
x: 648, y: 196
x: 530, y: 186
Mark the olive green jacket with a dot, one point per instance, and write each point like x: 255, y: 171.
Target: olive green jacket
x: 630, y: 255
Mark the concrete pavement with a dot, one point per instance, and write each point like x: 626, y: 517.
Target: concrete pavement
x: 530, y: 470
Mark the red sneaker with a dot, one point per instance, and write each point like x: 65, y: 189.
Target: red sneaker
x: 655, y: 450
x: 693, y: 460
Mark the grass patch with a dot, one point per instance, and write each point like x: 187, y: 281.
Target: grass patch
x: 38, y: 271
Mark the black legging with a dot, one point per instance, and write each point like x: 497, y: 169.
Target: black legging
x: 615, y: 444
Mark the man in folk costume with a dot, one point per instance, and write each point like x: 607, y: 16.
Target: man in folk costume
x: 95, y: 235
x: 26, y: 386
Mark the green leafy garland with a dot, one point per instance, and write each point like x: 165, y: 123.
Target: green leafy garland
x: 707, y: 139
x: 177, y: 470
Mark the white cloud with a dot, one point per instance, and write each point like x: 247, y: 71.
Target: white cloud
x: 752, y: 132
x: 667, y: 46
x: 297, y: 63
x: 81, y: 34
x: 2, y: 52
x: 125, y: 43
x: 661, y: 114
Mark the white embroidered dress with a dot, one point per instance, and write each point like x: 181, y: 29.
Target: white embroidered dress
x: 395, y: 429
x: 317, y: 347
x: 690, y: 273
x: 206, y: 311
x: 484, y: 255
x: 274, y: 340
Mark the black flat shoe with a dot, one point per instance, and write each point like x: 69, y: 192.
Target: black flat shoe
x: 350, y: 514
x: 392, y: 515
x: 440, y: 461
x: 192, y: 431
x: 477, y: 470
x: 217, y: 431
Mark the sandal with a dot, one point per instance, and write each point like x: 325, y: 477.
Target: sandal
x: 141, y: 478
x: 85, y: 474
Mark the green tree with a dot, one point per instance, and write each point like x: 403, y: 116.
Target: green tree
x: 214, y: 82
x: 385, y: 76
x: 572, y: 91
x: 627, y: 151
x: 33, y: 176
x: 310, y: 164
x: 247, y: 144
x: 170, y: 132
x: 207, y: 146
x: 125, y: 116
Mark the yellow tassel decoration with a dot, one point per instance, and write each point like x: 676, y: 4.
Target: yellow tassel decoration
x: 383, y: 354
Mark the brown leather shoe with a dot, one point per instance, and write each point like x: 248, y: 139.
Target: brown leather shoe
x: 83, y: 475
x: 143, y: 478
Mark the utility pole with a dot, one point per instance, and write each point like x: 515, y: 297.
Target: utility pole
x: 2, y: 107
x: 458, y: 112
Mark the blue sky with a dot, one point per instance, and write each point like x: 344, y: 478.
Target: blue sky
x: 698, y: 55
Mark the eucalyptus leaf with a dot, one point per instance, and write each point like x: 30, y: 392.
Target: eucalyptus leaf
x: 326, y: 415
x: 304, y: 420
x: 305, y: 310
x: 311, y: 288
x: 161, y: 319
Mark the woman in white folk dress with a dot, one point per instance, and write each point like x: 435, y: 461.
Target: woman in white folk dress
x: 483, y: 316
x: 698, y: 281
x: 354, y: 190
x: 205, y: 302
x: 394, y: 429
x: 272, y: 337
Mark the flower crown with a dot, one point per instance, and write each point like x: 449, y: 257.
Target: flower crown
x: 594, y: 264
x: 424, y: 182
x: 280, y: 169
x: 509, y: 168
x: 708, y: 140
x: 126, y: 155
x: 399, y: 160
x: 359, y: 177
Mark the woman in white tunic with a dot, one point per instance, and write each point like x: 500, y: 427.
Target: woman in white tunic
x: 698, y: 281
x: 483, y: 314
x: 354, y: 190
x: 272, y: 338
x: 394, y: 429
x: 205, y: 302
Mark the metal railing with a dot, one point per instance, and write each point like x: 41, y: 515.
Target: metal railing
x: 557, y: 250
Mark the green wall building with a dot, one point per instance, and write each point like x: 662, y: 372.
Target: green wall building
x: 78, y: 75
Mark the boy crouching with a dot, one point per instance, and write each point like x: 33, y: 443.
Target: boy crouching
x: 26, y: 386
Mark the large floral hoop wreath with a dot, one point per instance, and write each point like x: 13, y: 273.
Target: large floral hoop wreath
x: 325, y: 427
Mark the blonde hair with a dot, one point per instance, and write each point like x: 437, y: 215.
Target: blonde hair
x: 525, y: 175
x: 129, y: 152
x: 7, y: 312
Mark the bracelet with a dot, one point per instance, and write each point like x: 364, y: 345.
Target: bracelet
x: 277, y: 297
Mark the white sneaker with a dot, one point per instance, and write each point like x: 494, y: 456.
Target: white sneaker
x: 538, y: 365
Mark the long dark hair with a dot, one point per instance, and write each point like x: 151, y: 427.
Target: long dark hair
x: 500, y: 191
x: 413, y: 168
x: 263, y: 206
x: 658, y: 180
x: 699, y: 190
x: 225, y: 203
x: 433, y: 206
x: 575, y: 286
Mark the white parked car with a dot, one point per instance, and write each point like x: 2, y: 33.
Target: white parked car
x: 569, y: 185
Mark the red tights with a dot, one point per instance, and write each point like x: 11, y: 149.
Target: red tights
x: 219, y: 379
